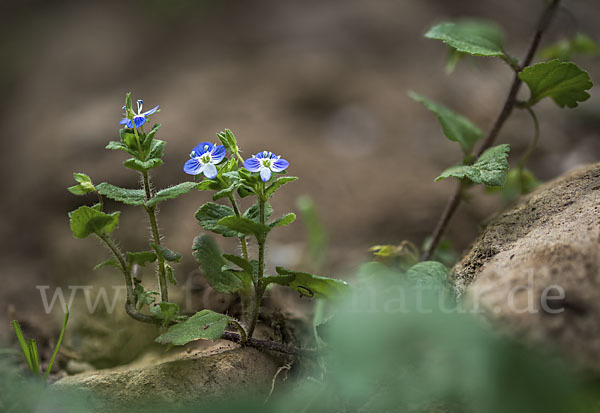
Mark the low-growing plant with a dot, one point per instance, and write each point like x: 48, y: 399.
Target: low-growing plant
x: 224, y: 172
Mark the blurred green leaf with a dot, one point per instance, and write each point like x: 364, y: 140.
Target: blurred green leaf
x: 204, y: 325
x: 427, y: 274
x: 518, y: 182
x: 477, y: 38
x: 456, y: 128
x: 564, y: 82
x: 85, y: 221
x: 489, y: 169
x: 208, y: 255
x: 166, y: 311
x: 126, y: 196
x: 564, y: 50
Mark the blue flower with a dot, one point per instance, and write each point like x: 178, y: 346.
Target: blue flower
x: 265, y: 163
x: 204, y: 158
x: 140, y: 118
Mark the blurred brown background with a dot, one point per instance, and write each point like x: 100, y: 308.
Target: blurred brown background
x: 322, y: 82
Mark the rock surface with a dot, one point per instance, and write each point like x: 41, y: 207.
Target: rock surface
x: 206, y: 374
x: 545, y: 244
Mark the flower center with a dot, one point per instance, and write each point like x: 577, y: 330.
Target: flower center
x: 206, y: 158
x: 266, y: 163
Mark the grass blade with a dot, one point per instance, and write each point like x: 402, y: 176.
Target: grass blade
x: 22, y: 343
x: 60, y: 338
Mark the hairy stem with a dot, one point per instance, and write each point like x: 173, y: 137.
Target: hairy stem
x: 509, y: 105
x: 161, y: 272
x: 258, y: 286
x: 243, y: 241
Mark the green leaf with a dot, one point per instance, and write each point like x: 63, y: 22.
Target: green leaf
x: 227, y: 191
x: 84, y: 184
x: 427, y: 274
x: 206, y: 252
x: 140, y: 258
x: 253, y: 212
x: 166, y: 253
x: 580, y: 44
x: 210, y: 214
x: 172, y: 192
x: 309, y: 284
x: 564, y: 82
x: 518, y: 182
x: 85, y: 221
x: 456, y: 127
x: 287, y: 219
x: 156, y: 149
x: 170, y: 275
x: 142, y: 166
x: 165, y: 311
x: 121, y: 146
x: 143, y: 296
x: 489, y: 169
x: 23, y: 343
x: 279, y: 182
x: 228, y: 140
x: 111, y: 262
x: 204, y: 325
x: 473, y: 37
x: 244, y: 226
x: 126, y: 196
x: 240, y: 262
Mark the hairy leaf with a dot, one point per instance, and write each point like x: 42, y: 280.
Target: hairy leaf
x: 244, y: 226
x: 456, y: 127
x: 126, y: 196
x: 85, y: 221
x: 279, y: 182
x: 489, y: 169
x: 172, y: 192
x: 142, y: 166
x: 210, y: 214
x: 166, y: 311
x: 205, y: 325
x: 166, y: 253
x: 473, y: 37
x: 287, y: 219
x: 564, y: 82
x: 206, y: 252
x: 140, y: 258
x: 111, y: 262
x: 253, y: 212
x: 228, y: 140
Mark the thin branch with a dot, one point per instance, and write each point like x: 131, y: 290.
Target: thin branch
x: 509, y: 105
x: 270, y: 345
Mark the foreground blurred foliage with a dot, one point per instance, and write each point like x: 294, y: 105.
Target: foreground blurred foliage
x: 395, y: 345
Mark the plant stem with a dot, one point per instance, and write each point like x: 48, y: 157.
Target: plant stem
x: 243, y: 241
x: 534, y: 142
x: 258, y: 286
x: 269, y: 345
x: 130, y: 305
x: 507, y: 109
x: 161, y: 273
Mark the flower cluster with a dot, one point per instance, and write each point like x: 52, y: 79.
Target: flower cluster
x: 206, y: 156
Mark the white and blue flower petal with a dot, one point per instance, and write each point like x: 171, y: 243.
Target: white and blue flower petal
x: 210, y: 171
x: 252, y: 164
x: 151, y: 111
x: 279, y: 165
x: 126, y: 121
x: 218, y: 153
x: 265, y: 174
x: 193, y: 167
x: 202, y: 148
x: 139, y: 120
